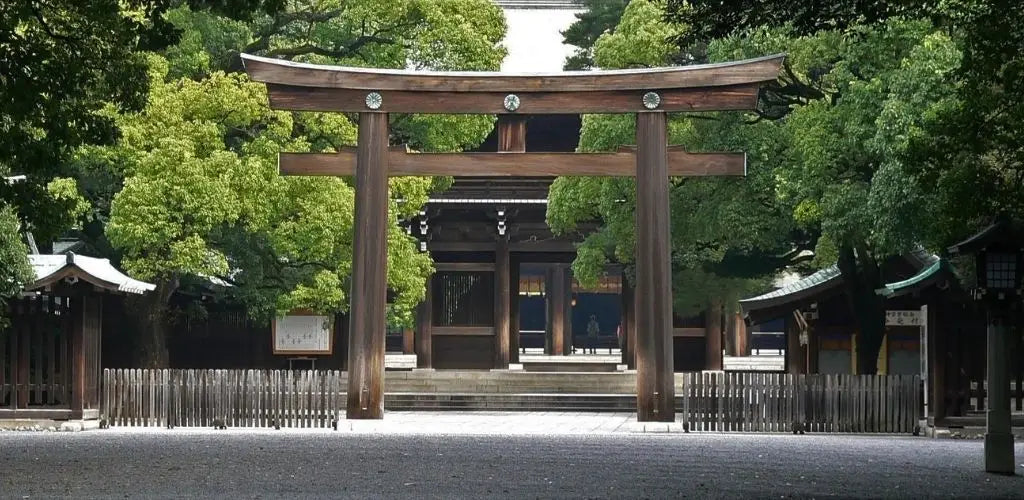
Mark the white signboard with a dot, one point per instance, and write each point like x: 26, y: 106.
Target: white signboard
x: 902, y: 318
x: 301, y: 334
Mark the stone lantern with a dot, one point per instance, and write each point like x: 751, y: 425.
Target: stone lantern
x: 998, y: 251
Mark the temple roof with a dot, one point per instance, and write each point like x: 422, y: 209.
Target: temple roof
x: 828, y: 279
x: 923, y: 278
x: 50, y: 269
x: 1001, y: 230
x: 821, y: 281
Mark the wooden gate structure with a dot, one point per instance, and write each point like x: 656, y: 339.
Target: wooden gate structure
x: 650, y: 93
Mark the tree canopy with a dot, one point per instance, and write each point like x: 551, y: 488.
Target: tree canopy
x: 852, y: 154
x: 190, y: 194
x: 598, y: 17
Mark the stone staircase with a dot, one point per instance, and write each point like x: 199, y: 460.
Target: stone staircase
x: 509, y: 402
x: 509, y: 390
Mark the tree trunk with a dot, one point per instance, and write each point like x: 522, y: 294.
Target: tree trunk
x: 735, y: 332
x: 861, y: 277
x: 713, y: 336
x: 729, y: 334
x: 149, y: 313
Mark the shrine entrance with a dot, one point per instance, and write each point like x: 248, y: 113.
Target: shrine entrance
x: 649, y: 93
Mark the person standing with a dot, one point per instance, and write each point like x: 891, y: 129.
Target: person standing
x: 593, y: 329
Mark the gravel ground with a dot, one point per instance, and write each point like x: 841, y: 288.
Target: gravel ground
x: 238, y: 463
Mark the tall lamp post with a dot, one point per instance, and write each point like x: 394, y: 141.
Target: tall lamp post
x: 998, y: 259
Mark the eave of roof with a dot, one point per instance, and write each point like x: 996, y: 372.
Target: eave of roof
x: 923, y: 278
x: 50, y: 269
x: 829, y: 278
x: 1002, y: 230
x: 821, y: 281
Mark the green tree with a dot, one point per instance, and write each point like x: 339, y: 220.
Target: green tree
x: 202, y: 197
x: 599, y: 17
x: 61, y: 63
x: 712, y: 20
x: 826, y: 148
x: 727, y: 234
x: 15, y: 271
x: 970, y: 155
x: 423, y: 34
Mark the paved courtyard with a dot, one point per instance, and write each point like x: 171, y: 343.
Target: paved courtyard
x: 480, y: 455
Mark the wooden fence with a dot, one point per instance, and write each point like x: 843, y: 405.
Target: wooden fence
x: 774, y: 402
x: 236, y: 398
x: 719, y: 402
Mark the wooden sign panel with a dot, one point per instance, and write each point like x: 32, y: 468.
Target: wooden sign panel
x: 903, y: 318
x: 301, y: 334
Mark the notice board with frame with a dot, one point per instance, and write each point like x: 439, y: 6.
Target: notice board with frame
x: 303, y: 333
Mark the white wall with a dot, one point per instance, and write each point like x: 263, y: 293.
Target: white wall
x: 534, y: 40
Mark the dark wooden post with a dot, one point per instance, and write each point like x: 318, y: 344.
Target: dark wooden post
x: 654, y: 377
x: 549, y: 312
x: 408, y: 341
x: 19, y: 355
x: 369, y: 271
x: 513, y: 311
x: 566, y: 310
x: 502, y: 305
x: 936, y: 352
x: 78, y: 373
x: 511, y: 139
x: 713, y: 337
x: 557, y: 292
x: 628, y: 324
x: 424, y: 324
x: 813, y: 348
x: 795, y: 356
x: 511, y: 133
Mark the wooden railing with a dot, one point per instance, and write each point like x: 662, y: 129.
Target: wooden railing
x: 235, y: 398
x: 717, y: 402
x: 978, y: 393
x: 777, y: 402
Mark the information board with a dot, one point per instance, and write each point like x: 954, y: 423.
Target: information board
x: 302, y: 334
x: 903, y: 318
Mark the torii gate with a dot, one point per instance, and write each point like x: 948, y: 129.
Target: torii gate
x: 650, y: 93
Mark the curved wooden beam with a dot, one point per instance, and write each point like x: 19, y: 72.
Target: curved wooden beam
x: 277, y: 71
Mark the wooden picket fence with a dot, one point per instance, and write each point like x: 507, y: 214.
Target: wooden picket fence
x: 774, y: 402
x: 717, y: 402
x: 236, y: 398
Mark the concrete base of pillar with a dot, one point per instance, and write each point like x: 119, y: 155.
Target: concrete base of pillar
x: 999, y: 453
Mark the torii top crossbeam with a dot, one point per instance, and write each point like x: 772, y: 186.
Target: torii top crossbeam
x: 705, y: 87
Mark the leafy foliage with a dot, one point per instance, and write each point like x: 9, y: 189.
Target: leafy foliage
x: 61, y: 62
x: 713, y: 20
x: 15, y: 271
x: 202, y: 197
x: 201, y: 193
x: 424, y: 34
x: 970, y: 155
x: 717, y: 224
x: 597, y: 18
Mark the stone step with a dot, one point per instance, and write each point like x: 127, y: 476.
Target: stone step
x: 509, y: 402
x: 512, y: 402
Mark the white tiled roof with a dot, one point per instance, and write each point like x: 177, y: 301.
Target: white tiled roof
x: 101, y: 270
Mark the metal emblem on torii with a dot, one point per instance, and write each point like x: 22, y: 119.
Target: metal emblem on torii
x: 650, y: 93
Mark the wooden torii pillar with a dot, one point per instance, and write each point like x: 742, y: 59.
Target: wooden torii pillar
x: 649, y: 93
